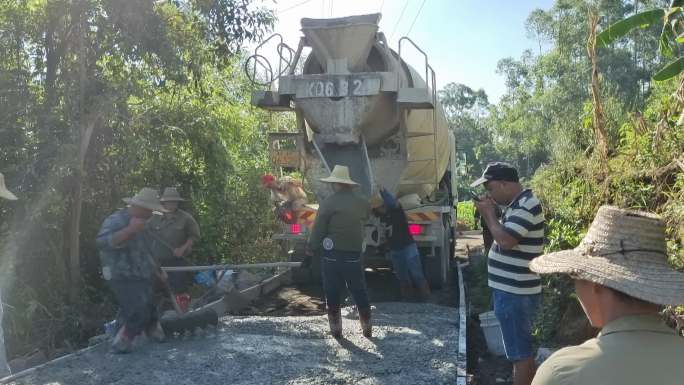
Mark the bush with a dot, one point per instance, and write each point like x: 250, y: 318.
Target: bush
x: 466, y: 215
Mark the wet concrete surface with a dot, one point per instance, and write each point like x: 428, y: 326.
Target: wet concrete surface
x: 412, y: 344
x: 283, y: 339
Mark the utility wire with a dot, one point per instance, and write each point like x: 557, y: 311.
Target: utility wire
x: 294, y: 6
x: 416, y: 17
x: 399, y: 19
x: 382, y: 5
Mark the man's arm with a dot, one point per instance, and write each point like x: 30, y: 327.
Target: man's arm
x: 320, y: 228
x: 388, y: 198
x: 114, y: 232
x: 193, y: 231
x: 503, y: 238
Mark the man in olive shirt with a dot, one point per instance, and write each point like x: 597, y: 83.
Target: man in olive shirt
x: 622, y: 278
x: 4, y: 367
x: 338, y: 235
x: 174, y: 234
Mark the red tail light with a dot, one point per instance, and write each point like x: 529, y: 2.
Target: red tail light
x: 415, y: 229
x: 295, y: 228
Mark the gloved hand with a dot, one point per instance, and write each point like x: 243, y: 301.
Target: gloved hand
x: 388, y: 198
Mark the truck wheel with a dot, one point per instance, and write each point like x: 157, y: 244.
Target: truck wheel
x: 437, y: 267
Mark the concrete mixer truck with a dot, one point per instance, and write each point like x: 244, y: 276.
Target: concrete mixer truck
x: 358, y: 103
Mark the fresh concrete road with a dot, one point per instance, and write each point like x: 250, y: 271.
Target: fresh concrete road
x: 412, y: 344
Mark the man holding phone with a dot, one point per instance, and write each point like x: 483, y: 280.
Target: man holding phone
x: 518, y: 238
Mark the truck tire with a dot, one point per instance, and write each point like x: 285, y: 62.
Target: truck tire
x: 437, y: 267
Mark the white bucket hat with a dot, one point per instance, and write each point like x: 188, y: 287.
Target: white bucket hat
x: 147, y: 198
x: 4, y: 192
x: 624, y: 250
x: 410, y: 201
x: 339, y: 174
x: 171, y: 194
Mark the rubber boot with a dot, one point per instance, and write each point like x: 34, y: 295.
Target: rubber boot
x: 365, y: 319
x: 424, y: 291
x: 335, y: 321
x: 122, y: 342
x: 155, y: 332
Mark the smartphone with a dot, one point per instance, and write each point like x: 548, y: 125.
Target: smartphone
x: 474, y: 196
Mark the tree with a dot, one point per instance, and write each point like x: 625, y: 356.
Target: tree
x: 100, y: 98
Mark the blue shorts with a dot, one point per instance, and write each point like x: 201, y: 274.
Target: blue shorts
x: 407, y: 266
x: 516, y: 314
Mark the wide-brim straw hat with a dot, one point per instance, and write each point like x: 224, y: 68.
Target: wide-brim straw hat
x: 4, y: 192
x: 624, y: 250
x: 147, y: 198
x: 171, y: 194
x: 339, y: 174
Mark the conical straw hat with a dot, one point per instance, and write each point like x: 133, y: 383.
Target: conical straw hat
x: 147, y: 198
x: 4, y: 192
x: 624, y: 250
x: 339, y: 174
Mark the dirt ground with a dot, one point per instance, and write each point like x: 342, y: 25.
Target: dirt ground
x: 485, y: 367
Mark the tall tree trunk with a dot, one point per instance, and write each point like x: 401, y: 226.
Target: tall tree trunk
x: 600, y: 135
x: 85, y: 131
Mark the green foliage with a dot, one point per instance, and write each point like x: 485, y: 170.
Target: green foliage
x: 466, y: 215
x: 626, y: 25
x: 672, y: 34
x: 160, y: 82
x: 670, y: 70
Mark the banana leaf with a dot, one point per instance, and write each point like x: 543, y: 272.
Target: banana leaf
x: 669, y: 71
x: 624, y: 26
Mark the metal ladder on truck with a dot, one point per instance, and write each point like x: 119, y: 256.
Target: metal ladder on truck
x: 419, y: 98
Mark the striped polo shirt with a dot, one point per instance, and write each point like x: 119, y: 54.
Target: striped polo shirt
x: 509, y: 269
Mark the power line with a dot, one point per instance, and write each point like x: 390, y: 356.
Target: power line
x: 331, y: 8
x: 416, y: 17
x: 399, y: 19
x: 382, y: 5
x: 294, y: 6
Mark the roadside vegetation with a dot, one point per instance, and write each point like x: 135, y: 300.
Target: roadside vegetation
x: 586, y: 124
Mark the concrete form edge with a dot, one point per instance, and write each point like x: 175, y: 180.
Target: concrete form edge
x: 28, y: 371
x: 462, y: 366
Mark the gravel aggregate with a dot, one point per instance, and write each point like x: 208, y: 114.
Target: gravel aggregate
x: 412, y: 344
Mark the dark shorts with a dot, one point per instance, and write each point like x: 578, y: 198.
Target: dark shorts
x: 342, y: 269
x: 516, y: 314
x: 137, y: 307
x: 407, y: 266
x: 179, y: 281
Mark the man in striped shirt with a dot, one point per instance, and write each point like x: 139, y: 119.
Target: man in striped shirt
x: 518, y: 238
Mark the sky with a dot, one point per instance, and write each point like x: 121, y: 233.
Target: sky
x: 464, y: 39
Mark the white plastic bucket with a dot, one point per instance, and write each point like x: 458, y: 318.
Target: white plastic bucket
x: 492, y: 332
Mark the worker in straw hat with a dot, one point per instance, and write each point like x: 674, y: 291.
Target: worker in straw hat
x: 174, y: 232
x: 338, y: 235
x: 130, y: 270
x: 4, y: 367
x: 622, y: 280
